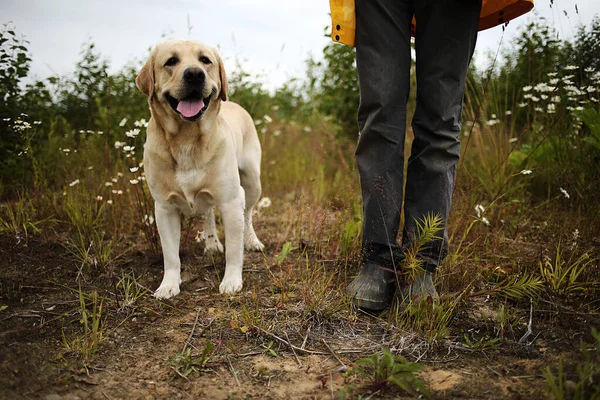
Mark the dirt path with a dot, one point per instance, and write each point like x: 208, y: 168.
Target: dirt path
x: 251, y: 334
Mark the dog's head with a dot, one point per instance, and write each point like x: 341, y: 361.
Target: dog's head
x: 186, y: 77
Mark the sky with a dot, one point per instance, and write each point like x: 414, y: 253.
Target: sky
x: 268, y: 37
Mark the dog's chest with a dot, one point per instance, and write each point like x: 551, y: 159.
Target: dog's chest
x: 191, y: 177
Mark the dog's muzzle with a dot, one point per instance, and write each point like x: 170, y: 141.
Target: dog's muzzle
x: 191, y: 106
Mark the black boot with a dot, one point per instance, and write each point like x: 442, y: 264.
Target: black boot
x: 373, y: 288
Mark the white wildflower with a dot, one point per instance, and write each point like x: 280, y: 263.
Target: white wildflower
x: 120, y: 174
x: 114, y: 180
x: 570, y: 67
x: 200, y: 236
x: 37, y: 122
x: 118, y: 144
x: 565, y: 193
x: 91, y: 167
x: 5, y: 119
x: 264, y: 202
x: 99, y: 198
x: 109, y: 201
x: 277, y: 132
x: 107, y: 184
x: 307, y: 129
x: 123, y: 122
x: 552, y: 74
x: 485, y: 221
x: 526, y: 172
x: 551, y: 108
x: 141, y: 123
x: 512, y: 140
x: 479, y: 209
x: 521, y: 105
x: 75, y: 182
x: 134, y: 169
x: 132, y: 133
x: 492, y: 122
x: 268, y: 119
x: 134, y: 181
x: 527, y: 88
x: 508, y: 112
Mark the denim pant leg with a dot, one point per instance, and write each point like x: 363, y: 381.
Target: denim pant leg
x: 445, y: 41
x: 383, y: 64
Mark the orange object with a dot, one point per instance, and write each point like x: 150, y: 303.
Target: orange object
x: 493, y: 13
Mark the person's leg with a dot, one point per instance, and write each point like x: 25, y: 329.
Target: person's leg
x: 446, y: 33
x: 383, y: 64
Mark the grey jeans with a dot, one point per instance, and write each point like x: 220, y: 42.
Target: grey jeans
x: 446, y: 33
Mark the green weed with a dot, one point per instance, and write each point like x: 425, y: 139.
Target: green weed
x: 563, y: 276
x: 429, y: 319
x: 20, y: 217
x: 129, y: 290
x: 185, y: 363
x: 586, y: 383
x: 87, y: 342
x: 385, y: 369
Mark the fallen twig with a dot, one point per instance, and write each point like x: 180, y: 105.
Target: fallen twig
x: 233, y: 372
x: 306, y: 337
x: 288, y: 343
x: 187, y: 342
x: 529, y: 330
x: 293, y: 351
x: 335, y: 355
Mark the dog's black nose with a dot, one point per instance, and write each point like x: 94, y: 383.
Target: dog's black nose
x: 194, y: 75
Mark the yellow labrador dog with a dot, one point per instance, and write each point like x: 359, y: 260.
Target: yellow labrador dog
x: 201, y: 152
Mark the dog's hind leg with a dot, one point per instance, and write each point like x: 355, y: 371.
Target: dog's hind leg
x: 250, y: 180
x: 211, y: 242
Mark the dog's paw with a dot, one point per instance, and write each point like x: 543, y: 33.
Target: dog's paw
x: 213, y: 246
x: 231, y: 285
x: 253, y: 244
x: 166, y: 291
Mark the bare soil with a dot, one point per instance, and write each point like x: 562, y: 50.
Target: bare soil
x: 251, y: 333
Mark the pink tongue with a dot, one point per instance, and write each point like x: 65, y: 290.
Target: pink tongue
x: 189, y: 108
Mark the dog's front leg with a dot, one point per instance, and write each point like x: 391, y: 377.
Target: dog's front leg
x: 232, y: 214
x: 168, y: 221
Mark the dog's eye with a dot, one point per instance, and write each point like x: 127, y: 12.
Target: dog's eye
x: 205, y: 60
x: 172, y: 61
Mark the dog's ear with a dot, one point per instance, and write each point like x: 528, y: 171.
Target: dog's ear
x: 145, y: 80
x: 223, y: 77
